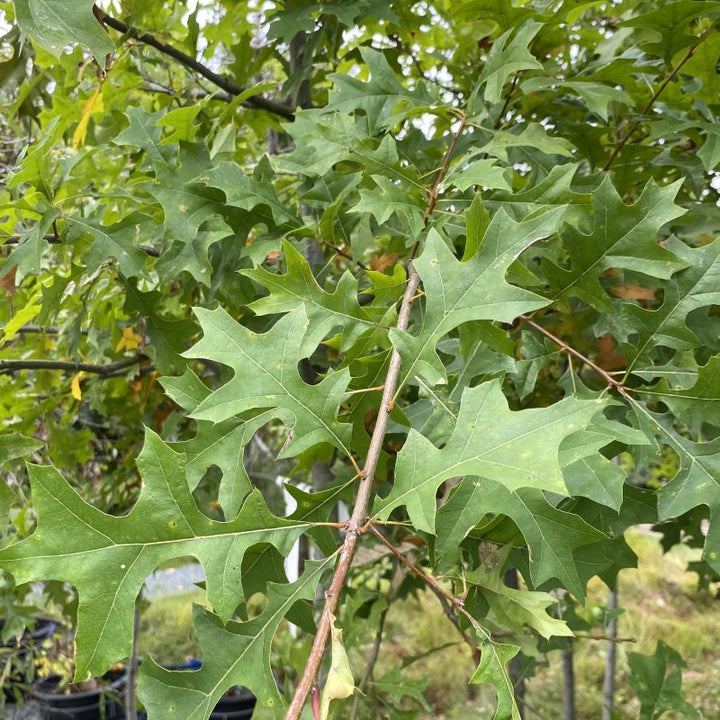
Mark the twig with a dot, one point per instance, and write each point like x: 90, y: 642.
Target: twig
x: 665, y: 82
x: 40, y: 330
x: 442, y: 171
x: 609, y: 379
x: 456, y: 602
x: 358, y: 517
x: 508, y: 98
x: 342, y: 253
x: 11, y: 366
x: 607, y: 638
x: 255, y: 101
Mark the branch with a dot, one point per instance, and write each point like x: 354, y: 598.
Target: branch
x: 11, y: 366
x: 256, y: 102
x: 609, y: 379
x: 359, y: 514
x: 665, y: 82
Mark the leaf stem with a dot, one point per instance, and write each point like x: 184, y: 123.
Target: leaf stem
x: 358, y: 517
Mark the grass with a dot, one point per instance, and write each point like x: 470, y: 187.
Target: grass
x: 660, y: 599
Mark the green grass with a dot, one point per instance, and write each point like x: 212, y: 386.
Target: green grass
x: 661, y: 602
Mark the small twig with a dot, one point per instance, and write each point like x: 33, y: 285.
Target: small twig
x: 343, y: 253
x: 441, y: 172
x: 11, y: 366
x: 665, y: 82
x: 456, y: 602
x: 40, y: 330
x: 358, y: 517
x: 508, y: 97
x: 607, y: 638
x: 609, y: 379
x: 255, y: 101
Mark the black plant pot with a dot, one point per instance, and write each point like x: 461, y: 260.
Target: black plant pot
x: 97, y: 704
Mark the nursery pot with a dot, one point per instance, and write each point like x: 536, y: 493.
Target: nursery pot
x: 104, y: 702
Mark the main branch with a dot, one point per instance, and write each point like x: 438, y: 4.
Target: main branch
x: 359, y: 514
x: 255, y: 101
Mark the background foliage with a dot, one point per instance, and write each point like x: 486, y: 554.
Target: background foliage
x: 211, y: 216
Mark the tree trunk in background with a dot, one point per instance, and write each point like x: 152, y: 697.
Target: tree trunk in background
x: 515, y: 670
x: 609, y: 681
x: 568, y: 682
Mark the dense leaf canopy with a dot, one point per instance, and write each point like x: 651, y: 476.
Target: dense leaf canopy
x: 452, y: 264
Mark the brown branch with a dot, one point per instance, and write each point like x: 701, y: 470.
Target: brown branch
x: 11, y: 366
x: 456, y: 602
x: 661, y: 87
x: 609, y: 379
x: 256, y: 102
x: 358, y: 517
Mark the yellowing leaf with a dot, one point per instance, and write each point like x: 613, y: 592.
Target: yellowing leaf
x: 92, y: 105
x: 75, y: 389
x: 340, y: 682
x: 130, y: 340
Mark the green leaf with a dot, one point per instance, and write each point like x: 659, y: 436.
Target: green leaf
x: 491, y: 671
x: 693, y: 405
x: 697, y: 286
x: 623, y: 236
x: 233, y: 654
x: 657, y: 681
x: 532, y: 135
x: 55, y: 23
x: 390, y: 200
x: 484, y: 173
x: 168, y: 335
x: 517, y: 449
x: 266, y: 376
x: 507, y: 57
x: 144, y: 133
x: 14, y: 445
x: 552, y: 535
x: 512, y: 608
x: 457, y: 292
x: 671, y: 21
x: 218, y: 444
x: 382, y: 97
x: 250, y: 193
x: 298, y: 288
x: 108, y: 558
x: 118, y: 241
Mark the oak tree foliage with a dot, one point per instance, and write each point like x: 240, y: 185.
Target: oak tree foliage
x: 210, y: 216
